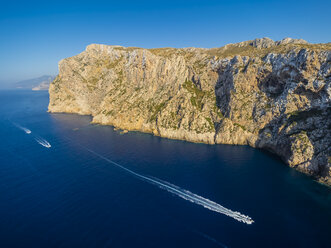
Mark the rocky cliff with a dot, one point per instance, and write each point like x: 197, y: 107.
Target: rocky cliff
x: 267, y: 94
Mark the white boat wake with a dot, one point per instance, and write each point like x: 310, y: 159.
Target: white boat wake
x: 43, y: 142
x: 27, y: 131
x: 40, y: 140
x: 185, y: 194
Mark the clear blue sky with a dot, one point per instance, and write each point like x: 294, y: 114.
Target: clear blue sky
x: 35, y: 35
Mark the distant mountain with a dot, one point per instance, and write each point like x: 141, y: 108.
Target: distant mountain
x: 40, y: 83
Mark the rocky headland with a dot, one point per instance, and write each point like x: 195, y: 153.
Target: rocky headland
x: 267, y: 94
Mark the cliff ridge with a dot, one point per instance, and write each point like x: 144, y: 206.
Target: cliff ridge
x: 267, y: 94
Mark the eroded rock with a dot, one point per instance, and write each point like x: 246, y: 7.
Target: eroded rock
x: 266, y: 94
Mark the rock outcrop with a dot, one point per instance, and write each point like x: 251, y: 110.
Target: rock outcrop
x: 267, y: 94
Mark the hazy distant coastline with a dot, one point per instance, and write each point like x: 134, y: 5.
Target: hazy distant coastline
x: 40, y: 83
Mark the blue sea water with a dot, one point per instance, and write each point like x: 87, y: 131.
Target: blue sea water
x: 79, y: 192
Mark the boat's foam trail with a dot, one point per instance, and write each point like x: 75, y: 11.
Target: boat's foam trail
x: 43, y: 142
x: 27, y: 131
x: 185, y: 194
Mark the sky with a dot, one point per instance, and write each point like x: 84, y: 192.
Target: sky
x: 36, y: 35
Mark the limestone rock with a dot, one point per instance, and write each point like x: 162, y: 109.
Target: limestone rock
x: 268, y: 94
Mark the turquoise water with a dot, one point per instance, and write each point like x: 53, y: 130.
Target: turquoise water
x: 67, y: 183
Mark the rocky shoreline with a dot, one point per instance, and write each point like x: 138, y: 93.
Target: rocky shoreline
x: 273, y: 95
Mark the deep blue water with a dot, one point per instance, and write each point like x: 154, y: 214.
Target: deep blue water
x: 67, y: 196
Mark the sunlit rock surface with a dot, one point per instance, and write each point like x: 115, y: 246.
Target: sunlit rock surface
x: 263, y: 93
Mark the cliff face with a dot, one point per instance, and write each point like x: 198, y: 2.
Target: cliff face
x: 266, y: 94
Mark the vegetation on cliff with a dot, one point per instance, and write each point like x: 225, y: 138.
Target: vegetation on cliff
x: 268, y: 94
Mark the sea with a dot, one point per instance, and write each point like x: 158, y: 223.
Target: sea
x: 65, y: 182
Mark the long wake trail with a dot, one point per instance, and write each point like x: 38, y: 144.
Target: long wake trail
x: 26, y: 130
x: 185, y: 194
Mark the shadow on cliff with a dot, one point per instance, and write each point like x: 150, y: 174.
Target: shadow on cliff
x: 223, y: 87
x: 282, y: 134
x: 279, y: 134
